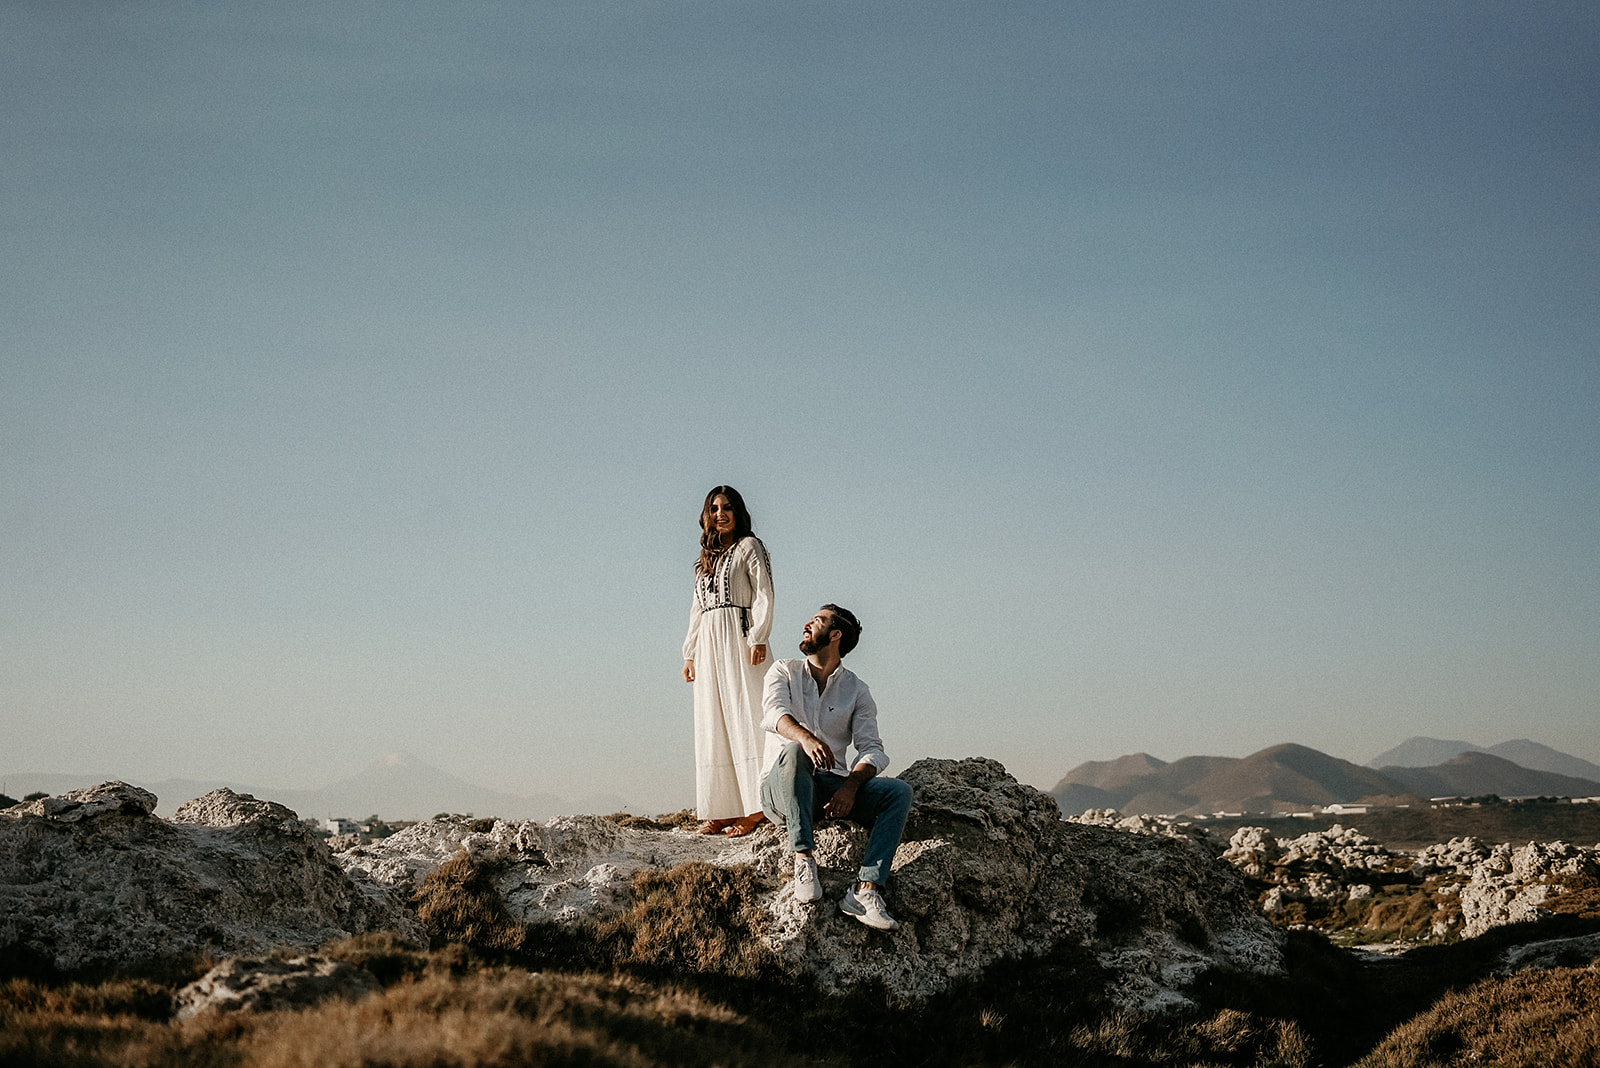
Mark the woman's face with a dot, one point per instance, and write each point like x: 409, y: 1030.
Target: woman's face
x: 721, y: 516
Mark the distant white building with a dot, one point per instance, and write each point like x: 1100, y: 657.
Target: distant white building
x: 1337, y: 809
x: 336, y: 825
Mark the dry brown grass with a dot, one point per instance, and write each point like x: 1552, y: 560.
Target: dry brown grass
x: 1580, y: 897
x: 1548, y: 1019
x: 458, y: 903
x: 696, y: 917
x: 1226, y: 1038
x: 1402, y: 912
x: 490, y: 1019
x: 682, y: 977
x: 1399, y: 911
x: 683, y: 818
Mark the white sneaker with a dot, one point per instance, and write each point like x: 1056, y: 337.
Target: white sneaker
x: 807, y: 885
x: 868, y: 907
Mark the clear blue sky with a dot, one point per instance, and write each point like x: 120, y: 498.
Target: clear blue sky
x: 1176, y: 377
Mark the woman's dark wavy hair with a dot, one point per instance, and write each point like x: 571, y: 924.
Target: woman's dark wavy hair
x: 711, y: 544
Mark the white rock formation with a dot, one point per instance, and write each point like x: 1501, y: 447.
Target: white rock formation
x: 1166, y: 826
x: 987, y: 871
x: 1512, y: 885
x: 244, y: 984
x: 1459, y: 856
x: 91, y: 879
x: 1495, y: 885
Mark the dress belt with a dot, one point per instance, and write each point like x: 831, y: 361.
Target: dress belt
x: 744, y: 614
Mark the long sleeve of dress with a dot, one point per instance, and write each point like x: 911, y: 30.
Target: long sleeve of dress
x: 690, y: 639
x: 761, y: 585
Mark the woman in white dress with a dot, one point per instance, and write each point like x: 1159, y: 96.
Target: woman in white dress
x: 725, y: 657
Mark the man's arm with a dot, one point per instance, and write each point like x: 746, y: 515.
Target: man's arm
x: 779, y: 703
x: 813, y: 747
x: 864, y: 731
x: 870, y: 757
x: 844, y: 798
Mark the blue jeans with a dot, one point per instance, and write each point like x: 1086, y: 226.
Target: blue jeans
x: 793, y: 795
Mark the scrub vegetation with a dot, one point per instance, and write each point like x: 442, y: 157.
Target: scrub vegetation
x: 682, y: 979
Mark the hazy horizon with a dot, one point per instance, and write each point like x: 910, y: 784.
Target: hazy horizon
x: 609, y: 800
x: 1170, y: 378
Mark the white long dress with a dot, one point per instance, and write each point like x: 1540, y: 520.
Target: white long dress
x: 732, y: 611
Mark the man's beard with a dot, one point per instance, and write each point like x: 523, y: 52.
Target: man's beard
x: 809, y: 645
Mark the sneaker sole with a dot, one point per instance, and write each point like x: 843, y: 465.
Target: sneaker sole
x: 894, y: 925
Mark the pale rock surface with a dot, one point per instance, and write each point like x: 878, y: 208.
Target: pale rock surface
x: 246, y: 984
x: 1329, y: 866
x: 1336, y: 851
x: 1582, y: 951
x: 1253, y: 850
x: 1459, y: 856
x: 1496, y: 885
x: 1512, y: 885
x: 987, y: 871
x: 1165, y: 826
x: 91, y: 879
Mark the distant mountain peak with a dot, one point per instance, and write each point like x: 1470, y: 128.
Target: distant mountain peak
x: 1422, y: 752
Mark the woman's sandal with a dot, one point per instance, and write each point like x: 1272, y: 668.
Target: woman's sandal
x: 745, y: 824
x: 713, y: 826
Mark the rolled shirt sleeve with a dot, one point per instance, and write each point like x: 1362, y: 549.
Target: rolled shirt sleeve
x: 778, y: 697
x: 864, y: 731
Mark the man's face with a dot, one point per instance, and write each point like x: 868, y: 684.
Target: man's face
x: 816, y: 633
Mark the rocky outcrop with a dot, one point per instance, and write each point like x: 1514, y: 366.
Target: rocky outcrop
x: 1513, y: 885
x: 1474, y: 887
x: 1166, y: 826
x: 92, y: 880
x: 244, y: 984
x: 987, y: 871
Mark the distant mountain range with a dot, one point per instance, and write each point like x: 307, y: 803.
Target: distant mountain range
x: 1293, y: 778
x: 1426, y: 752
x: 398, y: 787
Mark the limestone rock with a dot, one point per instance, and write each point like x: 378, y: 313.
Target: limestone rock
x: 1495, y: 885
x: 1329, y: 867
x: 1253, y: 850
x: 1512, y: 885
x: 987, y: 871
x: 245, y: 984
x: 1582, y: 951
x: 78, y: 805
x: 1459, y: 856
x: 1166, y: 826
x: 92, y: 880
x: 1336, y: 851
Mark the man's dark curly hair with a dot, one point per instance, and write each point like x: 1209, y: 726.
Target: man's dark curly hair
x: 848, y: 626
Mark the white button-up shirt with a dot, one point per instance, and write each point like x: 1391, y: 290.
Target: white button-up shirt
x: 843, y: 714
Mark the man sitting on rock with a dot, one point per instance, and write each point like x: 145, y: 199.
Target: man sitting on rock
x: 821, y: 708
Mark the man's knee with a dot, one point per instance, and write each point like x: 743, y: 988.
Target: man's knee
x: 895, y: 792
x: 793, y: 755
x: 895, y: 798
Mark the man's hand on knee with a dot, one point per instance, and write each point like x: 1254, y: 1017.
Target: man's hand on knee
x: 817, y: 751
x: 842, y: 801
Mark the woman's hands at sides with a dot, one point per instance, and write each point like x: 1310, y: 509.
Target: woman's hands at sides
x: 758, y: 656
